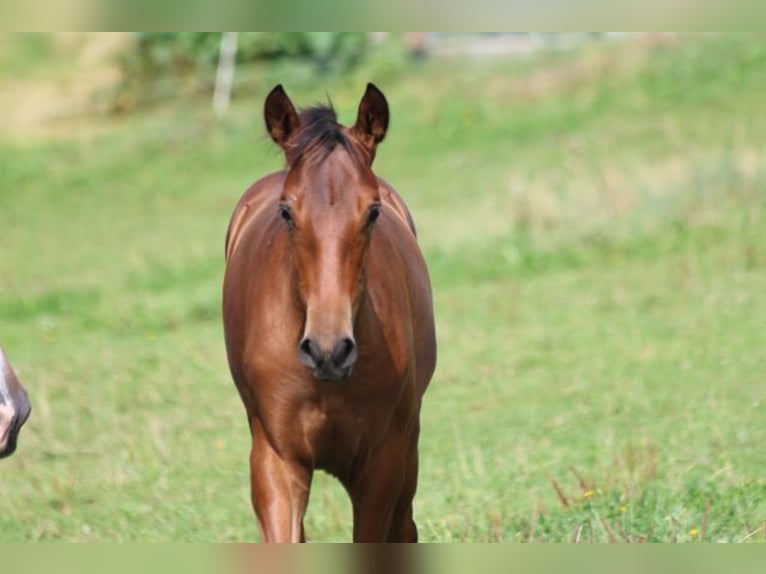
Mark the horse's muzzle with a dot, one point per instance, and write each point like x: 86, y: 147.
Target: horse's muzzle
x: 12, y: 418
x: 333, y: 365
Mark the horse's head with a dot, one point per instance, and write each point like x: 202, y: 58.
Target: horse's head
x: 14, y: 407
x: 329, y: 206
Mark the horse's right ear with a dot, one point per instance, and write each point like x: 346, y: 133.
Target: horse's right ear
x: 280, y: 115
x: 372, y: 118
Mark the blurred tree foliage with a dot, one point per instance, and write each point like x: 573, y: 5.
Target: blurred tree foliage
x: 172, y: 63
x: 184, y: 52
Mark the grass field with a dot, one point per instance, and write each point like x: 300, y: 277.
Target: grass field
x: 595, y: 227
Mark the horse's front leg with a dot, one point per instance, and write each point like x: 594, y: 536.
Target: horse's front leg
x: 279, y: 490
x: 376, y: 491
x: 403, y: 528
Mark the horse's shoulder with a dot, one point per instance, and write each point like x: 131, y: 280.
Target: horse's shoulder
x: 257, y: 195
x: 392, y: 199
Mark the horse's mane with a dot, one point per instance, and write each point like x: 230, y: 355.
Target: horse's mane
x: 319, y: 134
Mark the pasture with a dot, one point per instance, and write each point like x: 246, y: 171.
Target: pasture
x: 595, y: 227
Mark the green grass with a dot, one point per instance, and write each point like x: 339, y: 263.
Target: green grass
x: 595, y: 227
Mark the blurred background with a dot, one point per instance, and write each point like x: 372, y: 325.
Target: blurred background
x: 592, y: 208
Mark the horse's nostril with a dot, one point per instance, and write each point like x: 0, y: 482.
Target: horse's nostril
x: 345, y: 353
x: 308, y: 353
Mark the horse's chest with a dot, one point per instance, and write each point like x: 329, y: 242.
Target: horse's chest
x: 335, y: 431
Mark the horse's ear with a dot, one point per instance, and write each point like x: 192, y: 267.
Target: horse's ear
x: 372, y: 118
x: 280, y: 115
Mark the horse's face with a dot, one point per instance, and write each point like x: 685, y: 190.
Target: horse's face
x: 14, y: 407
x: 329, y: 206
x: 330, y: 212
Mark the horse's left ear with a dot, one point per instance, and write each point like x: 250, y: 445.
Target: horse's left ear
x: 372, y: 118
x: 280, y: 115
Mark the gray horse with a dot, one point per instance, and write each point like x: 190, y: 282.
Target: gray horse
x: 14, y: 407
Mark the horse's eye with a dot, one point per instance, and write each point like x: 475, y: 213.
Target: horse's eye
x: 373, y: 215
x: 284, y: 213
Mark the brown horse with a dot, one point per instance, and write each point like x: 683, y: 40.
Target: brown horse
x: 14, y: 407
x: 329, y: 327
